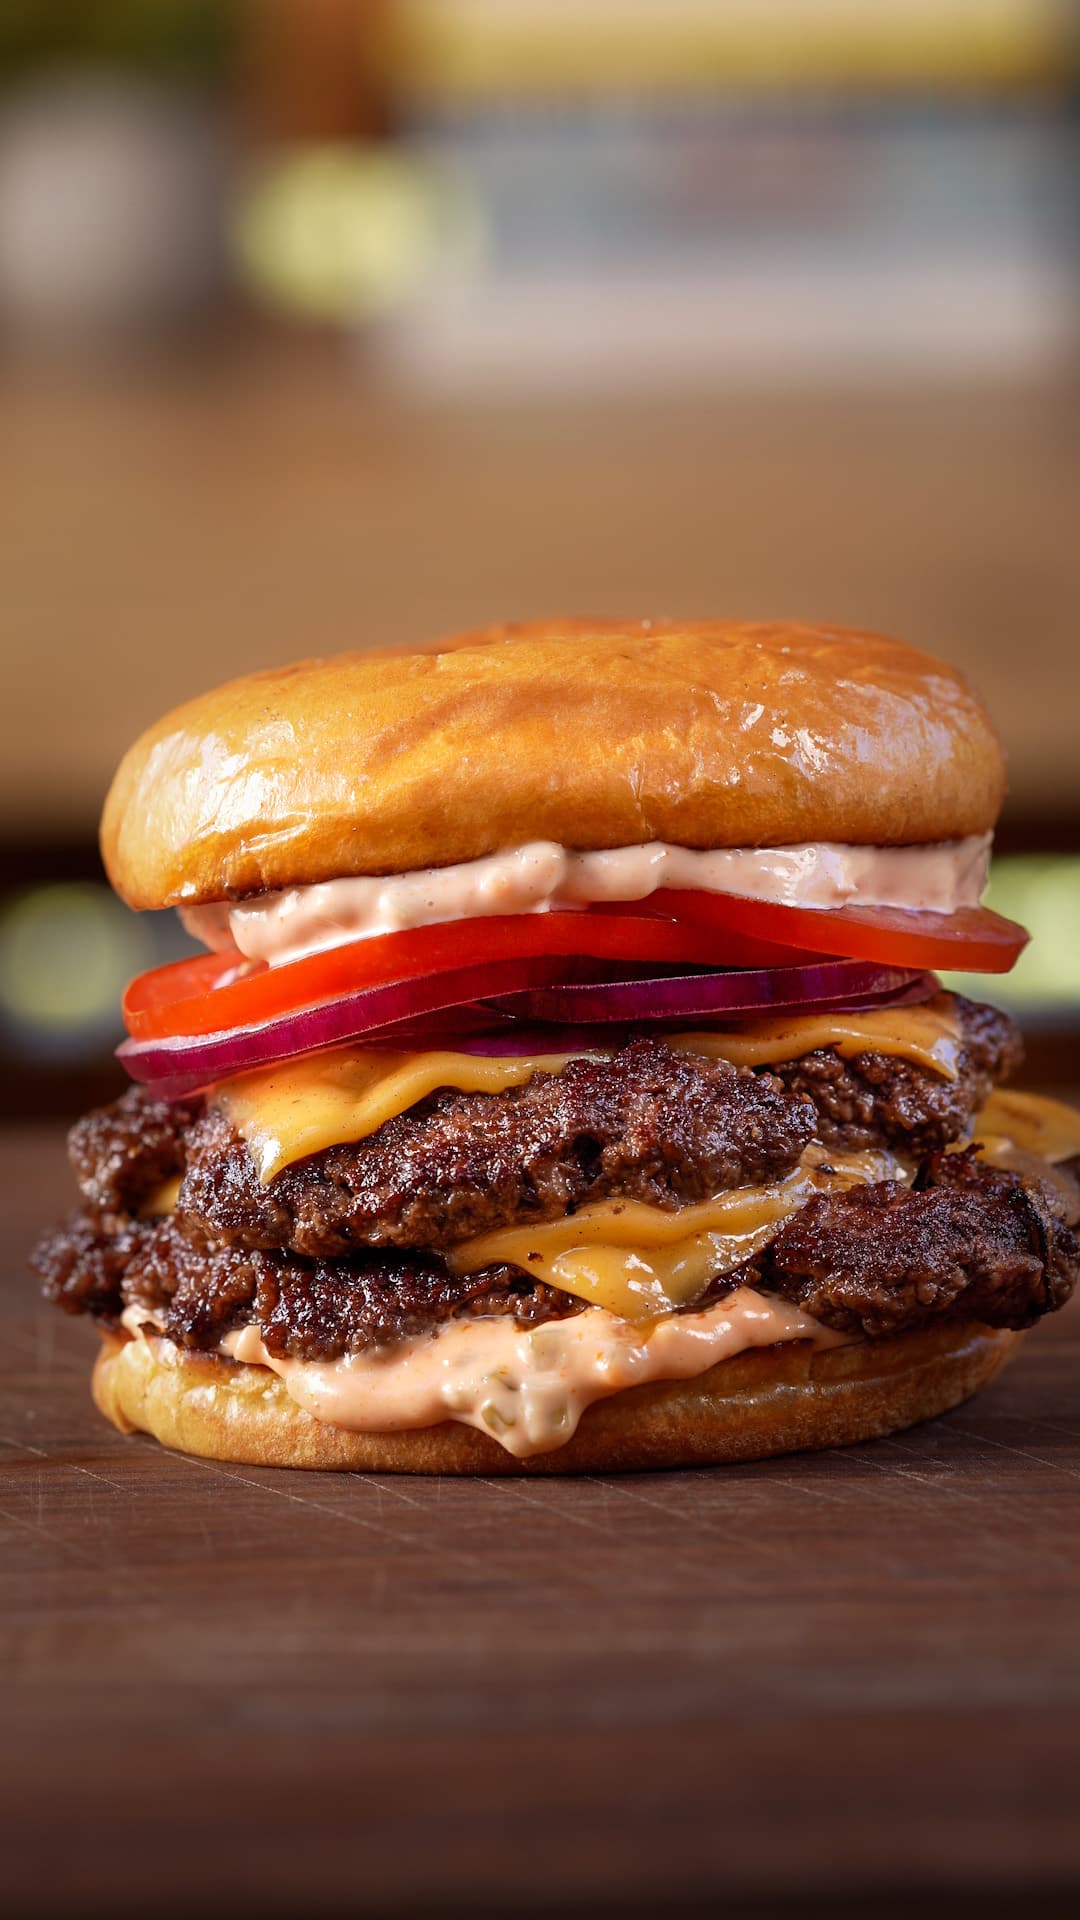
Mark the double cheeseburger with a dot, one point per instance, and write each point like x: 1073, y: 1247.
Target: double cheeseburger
x: 567, y: 1083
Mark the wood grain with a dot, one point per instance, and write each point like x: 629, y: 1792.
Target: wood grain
x: 851, y: 1676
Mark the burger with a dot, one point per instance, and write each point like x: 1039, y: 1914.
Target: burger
x: 566, y: 1083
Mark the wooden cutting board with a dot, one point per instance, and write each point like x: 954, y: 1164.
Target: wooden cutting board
x: 852, y: 1677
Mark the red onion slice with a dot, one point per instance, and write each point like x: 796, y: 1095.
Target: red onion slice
x: 186, y: 1063
x: 446, y: 1009
x: 566, y: 1037
x: 708, y: 995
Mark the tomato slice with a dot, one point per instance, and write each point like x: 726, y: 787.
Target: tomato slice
x: 972, y: 940
x: 212, y: 993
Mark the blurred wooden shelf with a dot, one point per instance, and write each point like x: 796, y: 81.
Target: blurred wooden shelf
x: 167, y: 528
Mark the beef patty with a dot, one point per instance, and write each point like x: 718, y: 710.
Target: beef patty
x: 968, y: 1241
x: 968, y: 1237
x: 649, y: 1124
x: 310, y: 1309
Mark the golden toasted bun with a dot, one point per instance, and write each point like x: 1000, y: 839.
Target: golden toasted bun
x: 768, y: 1400
x: 593, y: 733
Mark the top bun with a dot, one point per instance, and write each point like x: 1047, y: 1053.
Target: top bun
x: 594, y: 733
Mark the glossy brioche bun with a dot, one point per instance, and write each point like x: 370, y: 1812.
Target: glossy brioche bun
x: 768, y: 1400
x: 593, y: 733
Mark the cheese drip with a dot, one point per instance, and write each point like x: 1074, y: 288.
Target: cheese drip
x: 300, y: 1107
x: 928, y: 1034
x: 1030, y: 1122
x: 637, y: 1261
x: 1031, y: 1135
x: 303, y: 1106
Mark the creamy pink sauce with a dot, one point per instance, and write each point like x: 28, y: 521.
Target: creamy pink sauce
x: 543, y: 877
x: 525, y: 1387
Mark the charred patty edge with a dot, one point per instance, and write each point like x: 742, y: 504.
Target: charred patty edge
x: 966, y: 1241
x: 649, y: 1124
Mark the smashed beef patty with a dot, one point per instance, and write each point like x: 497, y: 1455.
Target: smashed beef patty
x: 968, y: 1238
x: 881, y: 1099
x: 306, y: 1309
x: 968, y: 1242
x: 649, y: 1124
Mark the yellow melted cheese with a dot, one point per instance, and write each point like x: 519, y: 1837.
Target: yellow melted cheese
x: 633, y: 1259
x: 1030, y: 1122
x: 928, y: 1034
x: 637, y: 1261
x: 302, y: 1106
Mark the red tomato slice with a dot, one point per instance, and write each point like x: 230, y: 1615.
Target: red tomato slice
x: 214, y: 992
x: 974, y: 939
x: 210, y: 993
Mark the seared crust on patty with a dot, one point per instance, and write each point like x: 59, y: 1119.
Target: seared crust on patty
x: 342, y: 1250
x: 119, y: 1154
x: 879, y: 1099
x: 649, y: 1124
x: 968, y: 1238
x: 309, y: 1309
x: 972, y: 1242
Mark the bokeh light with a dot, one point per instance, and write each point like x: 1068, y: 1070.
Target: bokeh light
x: 363, y: 322
x: 340, y: 233
x: 1042, y: 891
x: 65, y: 953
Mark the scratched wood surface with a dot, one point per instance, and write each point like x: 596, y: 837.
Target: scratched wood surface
x: 838, y: 1677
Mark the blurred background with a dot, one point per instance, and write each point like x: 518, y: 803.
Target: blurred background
x: 334, y: 323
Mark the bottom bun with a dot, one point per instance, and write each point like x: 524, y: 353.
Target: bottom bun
x: 778, y: 1399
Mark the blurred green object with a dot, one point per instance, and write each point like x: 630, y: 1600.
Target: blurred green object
x: 341, y: 232
x: 185, y: 38
x: 66, y: 952
x: 1042, y: 891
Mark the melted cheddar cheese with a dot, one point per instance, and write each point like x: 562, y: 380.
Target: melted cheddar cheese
x: 300, y: 1107
x: 637, y: 1261
x: 162, y: 1201
x: 303, y: 1106
x: 1031, y: 1122
x: 928, y: 1034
